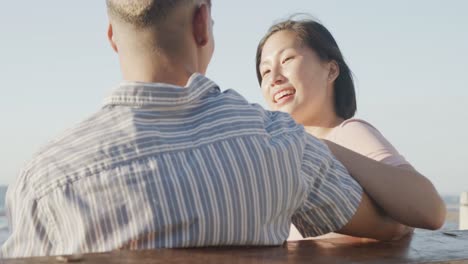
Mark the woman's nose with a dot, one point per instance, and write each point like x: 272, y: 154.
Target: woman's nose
x: 278, y: 78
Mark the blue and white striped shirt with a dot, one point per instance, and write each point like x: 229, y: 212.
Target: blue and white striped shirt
x: 167, y: 166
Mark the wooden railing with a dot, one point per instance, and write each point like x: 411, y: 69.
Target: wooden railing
x: 422, y: 247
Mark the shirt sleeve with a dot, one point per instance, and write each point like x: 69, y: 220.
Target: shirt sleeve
x: 28, y: 226
x: 333, y: 195
x: 363, y: 138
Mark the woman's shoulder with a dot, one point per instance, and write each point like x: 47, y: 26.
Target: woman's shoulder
x: 356, y: 123
x: 364, y: 138
x: 357, y: 130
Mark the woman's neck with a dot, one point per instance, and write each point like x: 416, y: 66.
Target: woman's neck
x: 323, y: 128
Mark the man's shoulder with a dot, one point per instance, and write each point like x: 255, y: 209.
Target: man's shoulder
x: 275, y: 121
x: 59, y: 160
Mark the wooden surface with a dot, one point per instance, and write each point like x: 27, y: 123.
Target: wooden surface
x: 433, y: 247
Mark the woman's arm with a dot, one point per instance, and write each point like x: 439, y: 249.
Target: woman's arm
x: 405, y: 195
x: 370, y: 222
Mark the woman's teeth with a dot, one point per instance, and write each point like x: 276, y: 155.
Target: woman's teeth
x: 282, y: 94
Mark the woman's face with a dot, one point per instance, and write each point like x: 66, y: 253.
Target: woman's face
x: 294, y: 79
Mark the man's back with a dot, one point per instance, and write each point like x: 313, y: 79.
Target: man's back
x: 161, y: 166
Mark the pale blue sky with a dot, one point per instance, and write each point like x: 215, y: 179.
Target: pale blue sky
x: 409, y: 58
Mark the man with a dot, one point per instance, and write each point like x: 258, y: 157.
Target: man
x: 170, y: 161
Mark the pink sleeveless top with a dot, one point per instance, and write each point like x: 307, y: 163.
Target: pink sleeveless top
x: 363, y: 138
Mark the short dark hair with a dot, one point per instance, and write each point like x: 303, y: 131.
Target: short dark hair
x: 319, y: 39
x: 143, y: 13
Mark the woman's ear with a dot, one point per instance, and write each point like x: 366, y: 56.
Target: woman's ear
x: 201, y: 25
x: 111, y: 38
x: 334, y: 71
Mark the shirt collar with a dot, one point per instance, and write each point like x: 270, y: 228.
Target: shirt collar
x: 161, y: 95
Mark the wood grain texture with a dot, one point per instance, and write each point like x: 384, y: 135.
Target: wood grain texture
x: 433, y: 247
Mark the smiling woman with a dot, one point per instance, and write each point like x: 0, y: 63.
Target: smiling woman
x: 302, y: 72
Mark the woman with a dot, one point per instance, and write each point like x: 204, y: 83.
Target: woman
x: 302, y: 72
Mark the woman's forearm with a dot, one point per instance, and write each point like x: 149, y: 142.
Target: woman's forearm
x: 405, y: 195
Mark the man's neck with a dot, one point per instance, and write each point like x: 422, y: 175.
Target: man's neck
x: 156, y: 69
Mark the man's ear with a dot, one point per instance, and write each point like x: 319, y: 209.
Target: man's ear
x: 111, y: 38
x: 334, y: 71
x: 201, y: 25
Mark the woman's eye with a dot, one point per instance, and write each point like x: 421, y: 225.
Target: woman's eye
x: 286, y: 60
x: 265, y: 73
